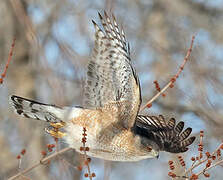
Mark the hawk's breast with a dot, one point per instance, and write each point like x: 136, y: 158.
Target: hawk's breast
x: 107, y: 141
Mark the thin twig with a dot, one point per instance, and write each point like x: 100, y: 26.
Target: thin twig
x: 8, y: 61
x: 174, y: 78
x: 198, y: 161
x: 43, y: 161
x: 217, y: 163
x: 57, y: 145
x: 156, y: 96
x: 88, y: 167
x: 84, y: 139
x: 202, y: 161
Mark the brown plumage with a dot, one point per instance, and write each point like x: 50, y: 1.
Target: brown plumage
x: 112, y: 98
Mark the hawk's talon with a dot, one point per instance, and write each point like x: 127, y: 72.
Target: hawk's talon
x: 53, y: 131
x: 58, y: 125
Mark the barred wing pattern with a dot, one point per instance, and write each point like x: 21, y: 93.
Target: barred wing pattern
x: 167, y: 135
x: 111, y: 79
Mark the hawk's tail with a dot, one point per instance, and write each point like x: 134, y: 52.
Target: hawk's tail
x: 35, y: 110
x: 169, y: 136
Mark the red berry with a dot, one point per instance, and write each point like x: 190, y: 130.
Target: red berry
x: 93, y: 175
x: 23, y: 151
x: 149, y: 105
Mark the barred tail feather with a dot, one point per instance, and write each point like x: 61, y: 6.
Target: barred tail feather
x: 35, y: 110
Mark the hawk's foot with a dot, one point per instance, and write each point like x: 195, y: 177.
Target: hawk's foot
x: 53, y: 130
x: 58, y: 125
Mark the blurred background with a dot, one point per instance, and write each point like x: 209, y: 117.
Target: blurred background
x: 54, y: 40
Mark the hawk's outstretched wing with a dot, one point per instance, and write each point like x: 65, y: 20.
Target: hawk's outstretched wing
x: 111, y: 79
x: 167, y: 135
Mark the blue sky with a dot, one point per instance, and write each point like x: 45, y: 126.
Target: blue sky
x: 66, y: 29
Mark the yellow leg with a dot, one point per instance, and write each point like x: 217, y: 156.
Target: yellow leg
x: 58, y: 125
x: 56, y: 134
x: 53, y: 129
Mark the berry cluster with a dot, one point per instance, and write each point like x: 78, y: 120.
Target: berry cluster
x: 206, y: 162
x: 170, y: 84
x: 87, y: 160
x: 22, y: 153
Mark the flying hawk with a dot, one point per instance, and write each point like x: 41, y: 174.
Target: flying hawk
x: 112, y: 98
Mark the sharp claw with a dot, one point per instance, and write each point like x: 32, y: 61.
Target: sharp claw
x: 57, y: 134
x: 58, y: 125
x: 53, y: 130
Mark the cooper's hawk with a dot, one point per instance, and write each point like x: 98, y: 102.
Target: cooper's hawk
x: 115, y: 131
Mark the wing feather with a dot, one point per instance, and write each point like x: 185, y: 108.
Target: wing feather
x: 167, y: 135
x: 110, y: 76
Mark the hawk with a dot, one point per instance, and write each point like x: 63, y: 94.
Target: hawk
x: 112, y: 98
